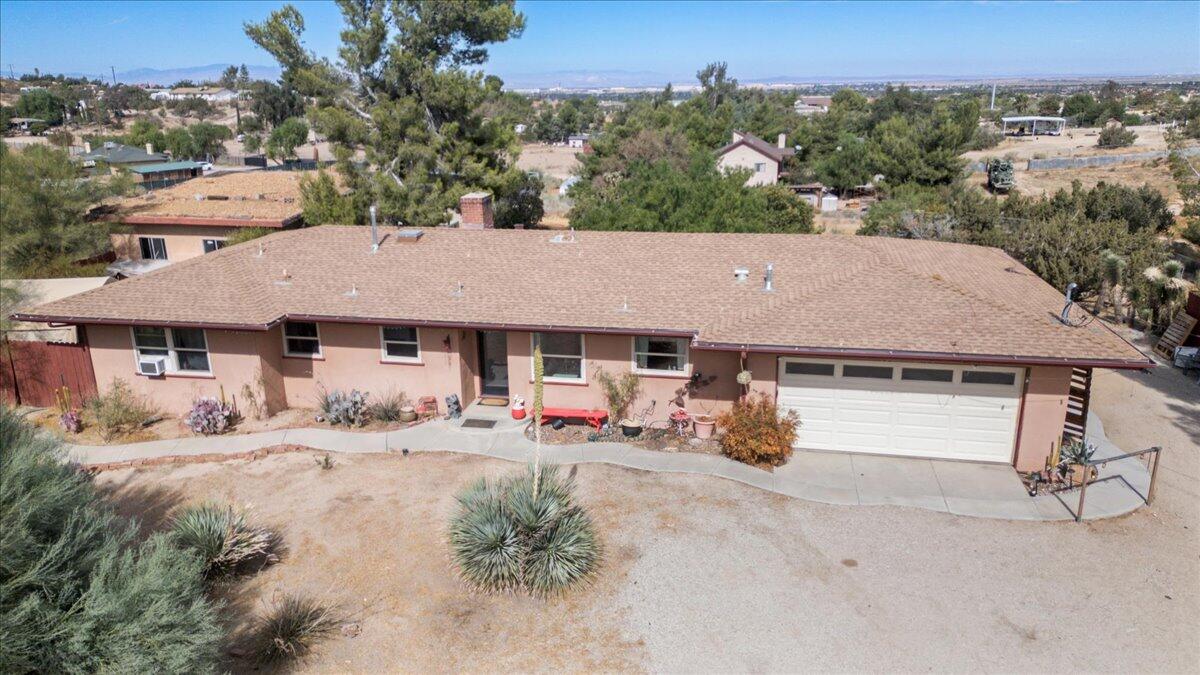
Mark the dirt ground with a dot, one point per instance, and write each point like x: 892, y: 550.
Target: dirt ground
x: 703, y: 574
x: 1074, y: 142
x: 556, y: 163
x: 1046, y: 182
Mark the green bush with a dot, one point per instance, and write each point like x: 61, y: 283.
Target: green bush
x: 289, y: 629
x: 1192, y: 232
x: 756, y: 433
x: 76, y: 595
x: 1116, y: 136
x: 223, y: 539
x: 505, y: 538
x: 118, y: 411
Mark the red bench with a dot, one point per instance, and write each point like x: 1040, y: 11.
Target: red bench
x: 596, y: 418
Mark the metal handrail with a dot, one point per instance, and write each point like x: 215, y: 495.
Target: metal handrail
x: 1147, y: 498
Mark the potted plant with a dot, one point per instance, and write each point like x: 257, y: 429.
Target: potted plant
x: 631, y: 428
x: 408, y: 413
x: 704, y: 425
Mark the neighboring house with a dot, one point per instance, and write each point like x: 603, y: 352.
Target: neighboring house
x: 747, y: 151
x: 210, y: 94
x: 812, y: 105
x: 519, y: 129
x: 38, y: 358
x: 195, y: 217
x: 578, y: 141
x: 165, y: 174
x: 119, y: 156
x: 883, y: 346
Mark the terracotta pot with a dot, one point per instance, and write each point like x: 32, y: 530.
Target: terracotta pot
x: 704, y: 426
x: 408, y: 414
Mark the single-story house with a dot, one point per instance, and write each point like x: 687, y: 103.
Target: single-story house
x: 578, y: 140
x: 197, y: 216
x: 24, y: 123
x: 166, y: 173
x: 884, y: 346
x: 120, y: 156
x: 747, y: 151
x: 812, y: 105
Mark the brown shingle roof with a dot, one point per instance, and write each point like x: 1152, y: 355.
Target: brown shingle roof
x: 869, y: 295
x: 759, y: 145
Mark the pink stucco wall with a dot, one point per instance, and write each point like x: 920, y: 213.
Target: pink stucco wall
x: 1044, y: 410
x: 352, y: 358
x: 182, y: 241
x: 614, y: 354
x: 234, y: 358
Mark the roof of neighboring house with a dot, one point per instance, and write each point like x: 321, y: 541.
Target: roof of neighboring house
x: 165, y: 166
x: 869, y: 297
x: 823, y: 101
x: 236, y: 199
x: 117, y: 153
x: 758, y: 145
x: 39, y: 291
x: 197, y: 91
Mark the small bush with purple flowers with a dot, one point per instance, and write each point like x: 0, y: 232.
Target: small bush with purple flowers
x: 209, y: 416
x: 71, y: 422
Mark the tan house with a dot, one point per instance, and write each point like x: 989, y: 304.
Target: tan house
x: 763, y: 160
x: 197, y: 216
x: 883, y: 346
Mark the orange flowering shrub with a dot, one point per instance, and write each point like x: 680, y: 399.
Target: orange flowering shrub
x: 755, y: 432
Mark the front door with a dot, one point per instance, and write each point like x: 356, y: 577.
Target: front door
x: 493, y: 360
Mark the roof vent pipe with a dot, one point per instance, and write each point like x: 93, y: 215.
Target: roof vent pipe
x: 1065, y: 317
x: 769, y: 279
x: 374, y: 231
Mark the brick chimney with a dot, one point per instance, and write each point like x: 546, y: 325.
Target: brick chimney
x: 476, y: 211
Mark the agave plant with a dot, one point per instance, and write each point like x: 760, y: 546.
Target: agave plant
x: 223, y: 538
x: 523, y: 532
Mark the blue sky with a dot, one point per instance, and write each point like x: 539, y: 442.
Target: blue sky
x: 660, y: 40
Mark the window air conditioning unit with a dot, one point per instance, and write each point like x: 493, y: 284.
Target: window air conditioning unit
x: 152, y: 365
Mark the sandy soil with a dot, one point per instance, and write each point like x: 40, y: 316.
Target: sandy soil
x: 703, y: 574
x: 1075, y: 142
x: 1156, y: 174
x: 556, y: 162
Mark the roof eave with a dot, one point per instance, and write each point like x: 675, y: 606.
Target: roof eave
x: 946, y: 357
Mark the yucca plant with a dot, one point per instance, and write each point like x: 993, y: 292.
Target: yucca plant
x: 290, y: 627
x: 223, y: 538
x: 523, y: 532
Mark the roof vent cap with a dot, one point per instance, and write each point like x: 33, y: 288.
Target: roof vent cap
x: 564, y: 238
x: 741, y: 274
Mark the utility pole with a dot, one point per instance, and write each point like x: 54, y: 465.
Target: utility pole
x: 114, y: 74
x: 11, y: 75
x: 993, y: 106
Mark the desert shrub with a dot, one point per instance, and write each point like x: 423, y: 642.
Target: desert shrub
x: 223, y: 538
x: 209, y: 416
x: 386, y: 407
x: 290, y: 627
x: 338, y: 407
x: 1192, y: 232
x: 245, y: 234
x: 119, y: 411
x: 75, y: 594
x: 619, y: 392
x: 506, y: 536
x: 70, y: 422
x: 756, y: 433
x: 1116, y: 136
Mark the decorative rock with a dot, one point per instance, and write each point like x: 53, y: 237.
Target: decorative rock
x: 351, y: 630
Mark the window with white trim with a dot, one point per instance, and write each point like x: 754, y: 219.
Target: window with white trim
x: 301, y: 338
x: 562, y: 356
x: 211, y: 245
x: 660, y: 355
x: 186, y: 349
x: 153, y: 248
x: 400, y: 344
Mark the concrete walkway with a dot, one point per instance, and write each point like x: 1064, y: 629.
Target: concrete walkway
x: 961, y: 488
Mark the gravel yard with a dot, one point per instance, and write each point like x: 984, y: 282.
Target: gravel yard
x: 707, y: 574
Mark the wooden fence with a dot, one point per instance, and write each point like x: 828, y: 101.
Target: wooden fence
x: 31, y: 371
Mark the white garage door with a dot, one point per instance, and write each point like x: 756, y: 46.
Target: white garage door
x: 912, y: 409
